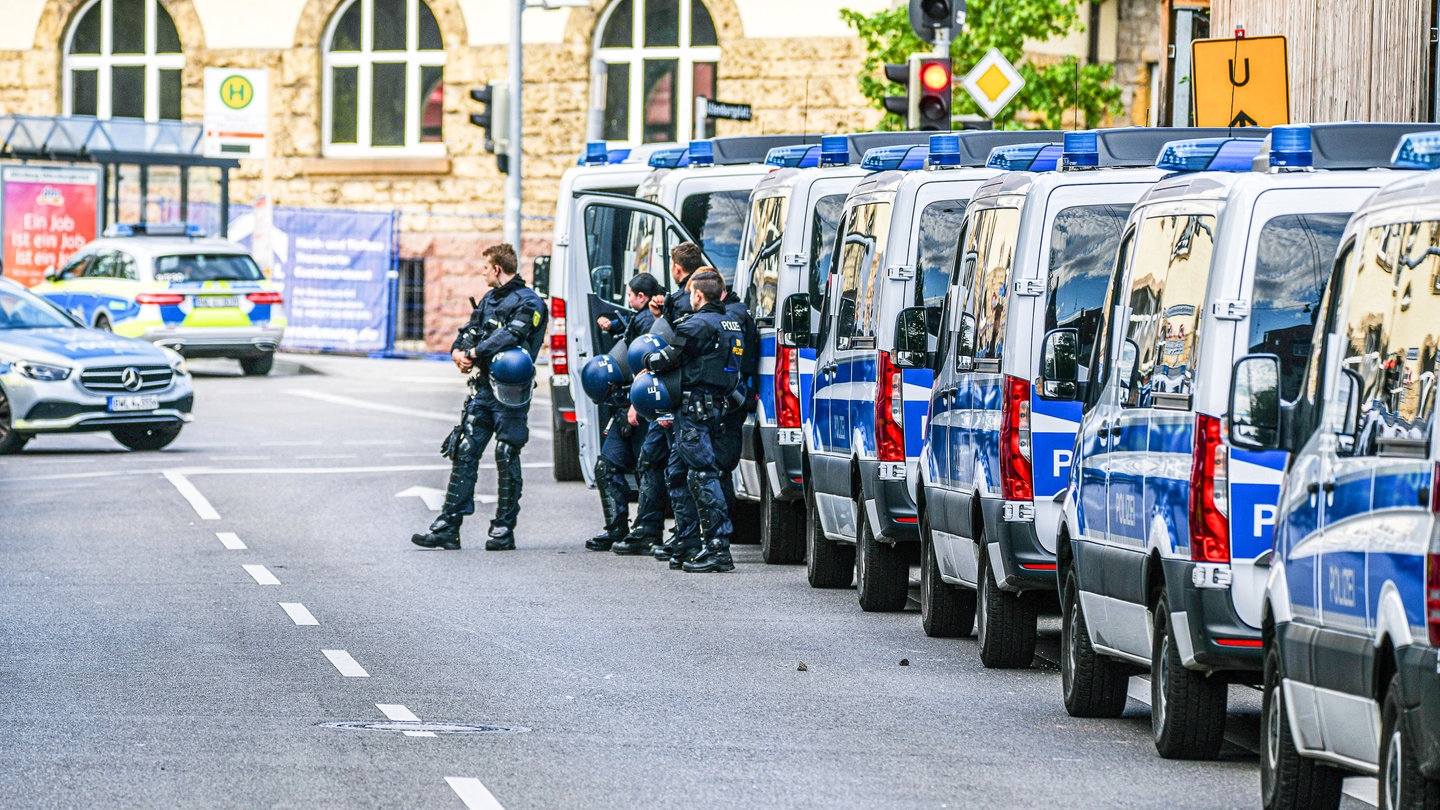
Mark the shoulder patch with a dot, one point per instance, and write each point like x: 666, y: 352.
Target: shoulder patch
x: 536, y: 318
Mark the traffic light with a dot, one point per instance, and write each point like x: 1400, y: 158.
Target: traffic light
x: 900, y: 105
x: 928, y: 17
x: 932, y: 93
x: 494, y: 118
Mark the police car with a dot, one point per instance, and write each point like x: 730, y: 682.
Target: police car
x: 1351, y: 614
x: 59, y: 377
x: 1167, y: 528
x: 1036, y: 249
x: 169, y: 285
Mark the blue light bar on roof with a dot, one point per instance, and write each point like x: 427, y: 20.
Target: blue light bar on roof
x: 1025, y: 157
x: 888, y: 158
x: 1290, y: 148
x: 1082, y: 151
x: 944, y: 151
x: 702, y: 153
x: 1210, y: 155
x: 596, y: 154
x: 799, y: 156
x: 671, y: 157
x: 834, y: 150
x: 617, y: 155
x: 1418, y: 150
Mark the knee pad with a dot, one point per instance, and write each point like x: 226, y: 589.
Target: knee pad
x: 506, y: 453
x: 603, y: 468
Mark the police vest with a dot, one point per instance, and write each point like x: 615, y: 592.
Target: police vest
x: 720, y: 344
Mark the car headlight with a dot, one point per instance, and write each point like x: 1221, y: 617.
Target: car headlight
x: 176, y: 360
x: 42, y: 371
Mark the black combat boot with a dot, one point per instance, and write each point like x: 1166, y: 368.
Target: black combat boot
x: 443, y: 533
x: 501, y: 539
x: 602, y: 542
x: 711, y: 560
x: 682, y: 556
x: 633, y: 544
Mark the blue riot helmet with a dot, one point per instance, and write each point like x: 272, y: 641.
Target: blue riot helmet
x: 600, y: 376
x: 641, y: 347
x: 651, y: 397
x: 512, y: 377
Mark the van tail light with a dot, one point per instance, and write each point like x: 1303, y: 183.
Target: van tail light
x: 1432, y: 562
x: 1017, y: 478
x: 1209, y: 494
x: 889, y: 410
x: 559, y: 356
x: 162, y: 299
x: 787, y: 387
x: 265, y: 297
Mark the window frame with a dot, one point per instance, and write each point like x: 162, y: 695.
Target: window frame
x: 637, y: 54
x: 364, y: 61
x: 103, y: 62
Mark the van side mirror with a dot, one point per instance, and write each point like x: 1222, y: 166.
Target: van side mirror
x: 912, y: 338
x: 540, y: 279
x: 1060, y: 365
x: 1255, y: 407
x: 795, y: 322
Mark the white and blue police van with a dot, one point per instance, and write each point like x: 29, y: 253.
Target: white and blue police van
x: 789, y: 234
x: 611, y: 171
x: 1350, y: 619
x: 707, y: 181
x: 1167, y: 527
x: 894, y: 245
x: 1037, y: 252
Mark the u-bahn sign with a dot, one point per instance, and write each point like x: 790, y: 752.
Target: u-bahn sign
x: 1240, y: 82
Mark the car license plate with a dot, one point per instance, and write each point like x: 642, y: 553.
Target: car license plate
x: 216, y: 301
x: 139, y: 403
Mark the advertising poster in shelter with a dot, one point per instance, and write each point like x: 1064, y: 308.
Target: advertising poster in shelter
x: 46, y: 214
x: 334, y: 270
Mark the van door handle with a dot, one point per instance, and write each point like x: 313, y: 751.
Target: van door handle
x: 1315, y: 486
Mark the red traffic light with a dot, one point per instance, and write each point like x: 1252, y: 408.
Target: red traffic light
x: 934, y: 76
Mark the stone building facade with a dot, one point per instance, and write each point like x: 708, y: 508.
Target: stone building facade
x: 794, y: 61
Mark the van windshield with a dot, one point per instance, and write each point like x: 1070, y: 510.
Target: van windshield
x: 1083, y: 244
x: 1292, y: 264
x: 717, y: 221
x: 207, y: 267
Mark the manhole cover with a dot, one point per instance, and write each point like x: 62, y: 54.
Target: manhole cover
x: 434, y: 728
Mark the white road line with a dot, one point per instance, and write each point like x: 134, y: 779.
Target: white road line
x: 472, y: 793
x: 291, y: 444
x: 261, y: 575
x: 240, y: 458
x: 231, y: 541
x: 448, y: 418
x: 299, y: 614
x: 399, y: 713
x: 190, y: 493
x: 330, y: 457
x: 348, y: 666
x: 370, y: 442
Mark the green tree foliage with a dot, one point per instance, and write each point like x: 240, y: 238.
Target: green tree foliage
x: 1050, y: 89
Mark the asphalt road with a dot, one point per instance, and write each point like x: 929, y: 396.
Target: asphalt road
x: 240, y: 621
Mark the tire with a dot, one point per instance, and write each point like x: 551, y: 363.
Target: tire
x: 782, y: 527
x: 827, y: 563
x: 10, y: 441
x: 147, y: 438
x: 102, y: 322
x: 1187, y: 707
x: 1289, y: 781
x: 1005, y: 623
x: 1402, y: 785
x: 565, y: 455
x: 946, y: 611
x: 257, y: 366
x: 1092, y: 684
x: 744, y: 522
x: 882, y: 573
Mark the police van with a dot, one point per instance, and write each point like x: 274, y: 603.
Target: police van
x: 1167, y: 528
x: 1351, y: 614
x: 893, y: 244
x: 786, y: 249
x: 622, y: 236
x: 1037, y: 251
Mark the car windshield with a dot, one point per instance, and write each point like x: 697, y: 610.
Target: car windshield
x: 717, y: 220
x: 207, y: 267
x: 22, y: 310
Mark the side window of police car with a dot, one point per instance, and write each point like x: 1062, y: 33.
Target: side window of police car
x: 824, y: 226
x: 1167, y: 297
x: 104, y: 265
x: 125, y: 268
x: 1359, y: 413
x: 1102, y: 361
x: 996, y: 232
x: 859, y: 257
x: 826, y: 299
x: 960, y: 322
x: 767, y: 221
x: 1308, y: 404
x: 74, y: 268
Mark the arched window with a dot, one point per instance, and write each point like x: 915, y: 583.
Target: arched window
x: 384, y: 79
x: 123, y: 59
x: 659, y: 55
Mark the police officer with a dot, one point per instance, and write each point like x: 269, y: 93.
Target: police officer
x: 685, y: 259
x: 510, y: 316
x: 625, y: 435
x: 743, y: 401
x: 708, y: 349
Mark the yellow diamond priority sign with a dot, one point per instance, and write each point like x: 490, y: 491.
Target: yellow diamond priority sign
x: 992, y: 83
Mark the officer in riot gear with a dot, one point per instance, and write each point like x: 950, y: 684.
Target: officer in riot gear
x: 625, y: 434
x: 707, y: 350
x: 511, y: 316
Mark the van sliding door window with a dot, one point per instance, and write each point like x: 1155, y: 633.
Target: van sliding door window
x: 1167, y: 302
x: 1083, y: 243
x: 1292, y: 263
x: 994, y: 233
x: 768, y: 221
x: 861, y: 250
x: 940, y: 225
x: 824, y: 224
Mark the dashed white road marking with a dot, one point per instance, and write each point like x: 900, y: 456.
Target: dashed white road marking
x: 472, y: 793
x: 292, y: 444
x: 299, y: 614
x: 197, y: 501
x: 261, y: 575
x: 330, y: 457
x: 449, y: 418
x: 347, y: 665
x: 240, y: 458
x: 231, y: 541
x: 397, y: 712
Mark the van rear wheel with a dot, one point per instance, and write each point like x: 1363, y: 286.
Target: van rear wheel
x: 882, y: 573
x: 1092, y: 685
x: 946, y: 611
x: 1289, y: 781
x: 1187, y: 707
x: 1006, y: 622
x: 827, y: 563
x: 565, y: 455
x: 782, y: 526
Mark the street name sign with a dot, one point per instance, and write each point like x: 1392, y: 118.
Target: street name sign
x: 727, y: 110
